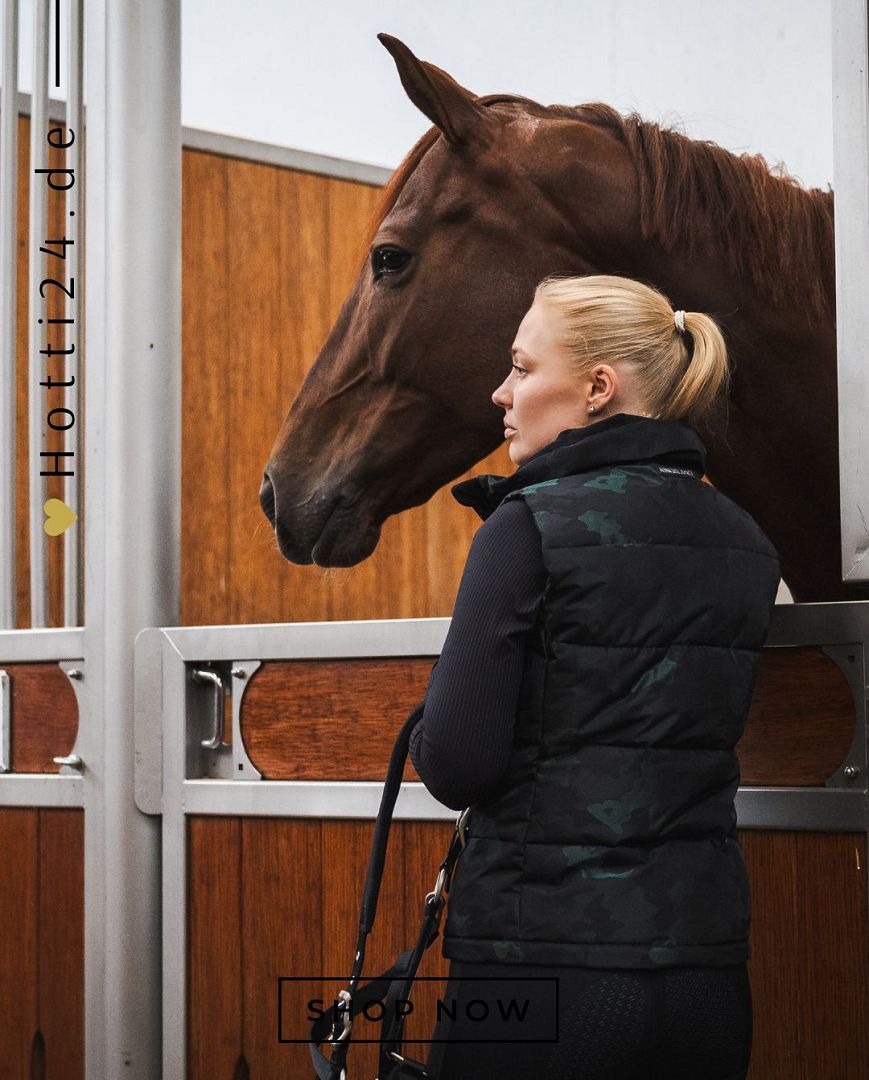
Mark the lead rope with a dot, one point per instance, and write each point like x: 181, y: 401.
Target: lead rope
x: 396, y: 981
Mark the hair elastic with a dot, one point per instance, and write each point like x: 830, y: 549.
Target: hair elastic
x: 679, y: 318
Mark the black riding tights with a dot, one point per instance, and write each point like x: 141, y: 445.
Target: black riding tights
x: 686, y: 1023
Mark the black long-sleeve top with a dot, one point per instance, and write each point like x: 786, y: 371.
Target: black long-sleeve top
x: 461, y: 745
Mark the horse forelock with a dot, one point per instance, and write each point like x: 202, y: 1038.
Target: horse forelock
x: 694, y: 193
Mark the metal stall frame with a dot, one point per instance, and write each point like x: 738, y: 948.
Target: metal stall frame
x: 133, y: 497
x: 170, y: 728
x: 132, y: 566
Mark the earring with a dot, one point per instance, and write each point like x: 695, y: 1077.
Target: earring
x: 591, y: 408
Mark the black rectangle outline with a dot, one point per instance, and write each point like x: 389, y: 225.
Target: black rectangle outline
x: 425, y: 978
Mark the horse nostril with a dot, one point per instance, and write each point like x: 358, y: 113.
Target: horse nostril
x: 267, y: 498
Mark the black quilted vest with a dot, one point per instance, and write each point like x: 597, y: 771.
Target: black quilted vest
x: 611, y: 842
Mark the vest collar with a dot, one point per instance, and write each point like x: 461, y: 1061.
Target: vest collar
x: 621, y: 438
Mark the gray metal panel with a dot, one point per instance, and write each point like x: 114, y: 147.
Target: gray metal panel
x: 308, y: 798
x: 33, y: 789
x: 33, y: 646
x: 316, y: 640
x: 284, y: 156
x: 133, y: 497
x: 819, y: 624
x: 8, y: 321
x: 851, y: 183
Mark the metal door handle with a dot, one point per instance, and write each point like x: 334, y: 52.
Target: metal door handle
x: 5, y: 724
x: 72, y: 760
x: 215, y: 741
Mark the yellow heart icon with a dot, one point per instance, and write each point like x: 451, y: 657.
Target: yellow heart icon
x: 58, y: 517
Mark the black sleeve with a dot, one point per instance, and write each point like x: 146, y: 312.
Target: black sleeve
x: 461, y: 746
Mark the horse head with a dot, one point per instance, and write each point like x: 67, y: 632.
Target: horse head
x: 398, y: 402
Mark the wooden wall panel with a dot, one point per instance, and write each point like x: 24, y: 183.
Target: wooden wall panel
x: 301, y: 882
x: 296, y: 704
x: 18, y: 940
x: 269, y: 255
x: 214, y: 924
x: 44, y: 716
x: 61, y: 943
x: 330, y: 719
x: 809, y: 969
x: 279, y: 898
x: 41, y: 944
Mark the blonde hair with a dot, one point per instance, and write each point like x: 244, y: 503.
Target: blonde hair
x: 619, y: 321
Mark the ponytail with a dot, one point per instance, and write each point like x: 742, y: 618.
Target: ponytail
x: 614, y: 320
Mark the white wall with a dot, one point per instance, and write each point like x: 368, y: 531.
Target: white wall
x: 749, y: 74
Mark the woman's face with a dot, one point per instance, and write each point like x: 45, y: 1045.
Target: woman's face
x: 542, y: 396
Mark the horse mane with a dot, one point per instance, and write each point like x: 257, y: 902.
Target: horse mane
x: 767, y: 226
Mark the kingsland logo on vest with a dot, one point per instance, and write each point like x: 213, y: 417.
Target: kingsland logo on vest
x: 675, y: 469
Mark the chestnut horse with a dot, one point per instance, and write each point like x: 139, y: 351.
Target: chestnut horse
x: 501, y: 192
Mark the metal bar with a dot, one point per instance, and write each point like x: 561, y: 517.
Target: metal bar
x: 308, y: 798
x: 820, y: 809
x: 36, y: 789
x: 36, y: 328
x: 284, y: 156
x: 851, y: 176
x: 8, y: 321
x: 792, y: 624
x: 173, y: 689
x: 310, y: 640
x: 75, y: 202
x: 133, y: 497
x: 810, y: 809
x: 31, y: 646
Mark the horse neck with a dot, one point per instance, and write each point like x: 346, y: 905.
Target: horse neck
x: 773, y: 445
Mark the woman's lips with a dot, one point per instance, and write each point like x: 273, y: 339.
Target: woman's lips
x: 508, y: 431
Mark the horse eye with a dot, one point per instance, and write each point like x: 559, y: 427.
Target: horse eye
x: 388, y: 260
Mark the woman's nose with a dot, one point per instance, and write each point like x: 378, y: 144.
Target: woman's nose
x: 501, y: 395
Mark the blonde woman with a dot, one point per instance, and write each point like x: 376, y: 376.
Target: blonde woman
x: 593, y: 685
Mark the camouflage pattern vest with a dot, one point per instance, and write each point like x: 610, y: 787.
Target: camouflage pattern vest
x: 611, y: 841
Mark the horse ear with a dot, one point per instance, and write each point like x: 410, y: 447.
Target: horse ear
x: 449, y: 106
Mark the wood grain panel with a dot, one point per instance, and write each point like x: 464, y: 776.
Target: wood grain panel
x: 205, y: 433
x: 293, y: 710
x: 283, y: 902
x: 214, y: 920
x: 19, y: 890
x: 302, y: 883
x: 330, y: 719
x: 801, y: 722
x: 809, y: 968
x: 44, y: 716
x: 346, y: 850
x: 61, y: 942
x: 274, y: 898
x: 425, y: 845
x: 269, y: 255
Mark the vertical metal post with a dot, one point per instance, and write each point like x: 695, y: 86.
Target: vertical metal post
x: 36, y: 328
x: 8, y: 321
x: 851, y: 184
x: 132, y: 481
x: 75, y: 225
